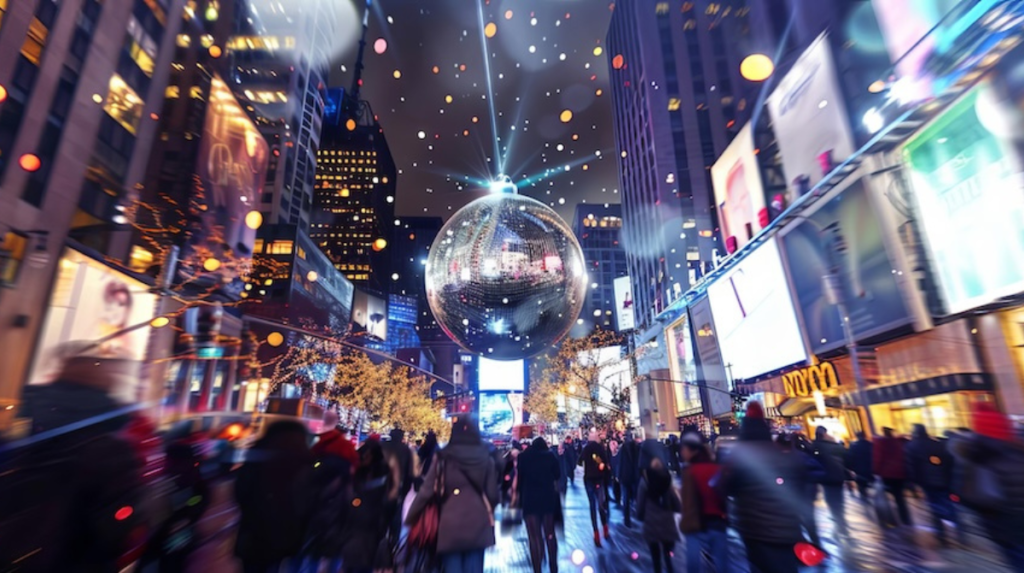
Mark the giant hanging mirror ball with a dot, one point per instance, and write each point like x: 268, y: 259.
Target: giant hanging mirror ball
x: 505, y: 277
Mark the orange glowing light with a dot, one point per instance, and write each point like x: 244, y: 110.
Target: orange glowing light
x: 618, y: 61
x: 436, y: 70
x: 215, y: 51
x: 757, y: 67
x: 30, y: 162
x: 490, y: 29
x: 565, y: 116
x: 379, y: 245
x: 350, y: 125
x: 3, y: 94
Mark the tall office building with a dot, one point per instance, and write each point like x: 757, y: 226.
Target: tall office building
x: 410, y: 246
x: 678, y: 101
x: 281, y: 66
x: 354, y: 197
x: 78, y: 84
x: 598, y: 229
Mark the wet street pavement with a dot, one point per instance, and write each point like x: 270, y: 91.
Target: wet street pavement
x: 907, y: 550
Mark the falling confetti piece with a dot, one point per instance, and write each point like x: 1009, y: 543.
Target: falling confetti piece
x: 436, y: 70
x: 598, y: 51
x: 566, y: 116
x: 397, y: 74
x: 380, y: 46
x: 533, y: 49
x: 508, y: 14
x: 421, y: 135
x: 618, y: 61
x: 490, y: 29
x: 599, y: 92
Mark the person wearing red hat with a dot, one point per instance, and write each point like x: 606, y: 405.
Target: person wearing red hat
x: 990, y: 479
x: 765, y: 485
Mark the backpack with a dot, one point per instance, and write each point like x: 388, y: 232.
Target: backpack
x: 68, y: 504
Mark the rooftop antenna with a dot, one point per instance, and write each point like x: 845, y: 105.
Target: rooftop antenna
x: 357, y: 79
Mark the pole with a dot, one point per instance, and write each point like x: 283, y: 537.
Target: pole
x: 837, y: 295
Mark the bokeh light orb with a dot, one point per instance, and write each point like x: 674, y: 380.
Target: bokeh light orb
x: 505, y: 277
x: 757, y: 67
x: 380, y: 45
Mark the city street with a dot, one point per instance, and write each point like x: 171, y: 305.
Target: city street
x: 905, y: 552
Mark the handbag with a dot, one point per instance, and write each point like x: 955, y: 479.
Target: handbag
x: 483, y: 496
x: 423, y: 533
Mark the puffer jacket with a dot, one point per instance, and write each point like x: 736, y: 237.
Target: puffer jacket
x: 659, y: 515
x: 766, y: 486
x: 467, y: 521
x: 929, y: 464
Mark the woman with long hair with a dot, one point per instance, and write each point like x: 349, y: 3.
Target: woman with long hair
x: 538, y: 492
x: 657, y: 505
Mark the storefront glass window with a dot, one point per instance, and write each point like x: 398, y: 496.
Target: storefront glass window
x: 123, y: 104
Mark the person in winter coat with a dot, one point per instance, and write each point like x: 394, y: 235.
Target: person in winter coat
x: 831, y: 455
x: 367, y: 521
x: 335, y: 442
x: 629, y: 474
x: 672, y: 445
x: 704, y: 516
x: 930, y: 466
x: 657, y: 505
x: 571, y: 455
x: 470, y: 493
x: 764, y: 482
x: 563, y: 477
x: 271, y: 497
x: 993, y: 450
x: 594, y: 459
x: 649, y: 449
x: 538, y: 494
x: 425, y: 454
x: 890, y: 464
x: 614, y: 487
x: 793, y: 446
x: 858, y: 461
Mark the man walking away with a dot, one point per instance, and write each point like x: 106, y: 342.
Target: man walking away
x: 930, y: 466
x: 594, y: 460
x: 704, y: 516
x: 889, y: 464
x: 629, y: 475
x: 570, y: 456
x: 831, y: 455
x: 858, y: 461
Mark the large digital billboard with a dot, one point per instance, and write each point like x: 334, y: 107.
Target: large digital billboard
x: 809, y: 95
x: 370, y: 315
x: 502, y: 375
x: 718, y: 400
x: 683, y: 366
x: 496, y: 415
x: 844, y: 237
x: 739, y: 195
x: 754, y: 316
x: 969, y: 190
x: 624, y: 313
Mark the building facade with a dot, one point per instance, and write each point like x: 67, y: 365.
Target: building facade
x: 598, y: 229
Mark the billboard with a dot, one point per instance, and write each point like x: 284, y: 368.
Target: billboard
x: 370, y: 315
x: 230, y: 172
x: 502, y: 375
x: 739, y: 195
x: 754, y: 316
x: 683, y: 366
x: 967, y: 184
x: 717, y: 400
x: 844, y: 237
x: 809, y: 95
x: 325, y: 301
x: 91, y: 301
x: 624, y: 316
x: 496, y: 415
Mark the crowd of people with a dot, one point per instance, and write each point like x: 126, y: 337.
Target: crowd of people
x: 82, y: 482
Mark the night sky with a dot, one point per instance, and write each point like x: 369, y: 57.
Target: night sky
x: 429, y: 88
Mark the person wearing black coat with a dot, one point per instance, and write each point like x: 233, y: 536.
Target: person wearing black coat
x: 858, y: 460
x: 629, y: 475
x: 930, y: 466
x: 831, y: 455
x: 537, y: 484
x: 594, y: 459
x: 764, y: 482
x: 569, y: 457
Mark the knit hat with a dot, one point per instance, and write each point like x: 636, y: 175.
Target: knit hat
x: 990, y: 422
x: 755, y: 410
x: 754, y: 428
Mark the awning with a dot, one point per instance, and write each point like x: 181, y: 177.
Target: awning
x: 793, y: 407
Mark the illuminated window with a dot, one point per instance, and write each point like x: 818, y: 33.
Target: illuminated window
x: 12, y: 247
x: 673, y: 104
x: 196, y: 92
x: 123, y: 104
x: 142, y: 48
x: 661, y: 8
x: 690, y: 24
x: 301, y: 252
x: 257, y: 246
x: 280, y: 248
x: 3, y: 10
x: 35, y: 41
x: 140, y: 259
x: 172, y: 92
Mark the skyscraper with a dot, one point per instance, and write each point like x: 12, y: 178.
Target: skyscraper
x: 410, y: 246
x: 678, y: 101
x: 598, y: 229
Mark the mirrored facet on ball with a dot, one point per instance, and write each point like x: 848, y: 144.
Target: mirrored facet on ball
x: 505, y: 277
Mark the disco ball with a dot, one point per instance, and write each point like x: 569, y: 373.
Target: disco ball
x: 505, y: 277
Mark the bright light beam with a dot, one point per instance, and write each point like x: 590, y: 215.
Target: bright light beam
x: 490, y: 87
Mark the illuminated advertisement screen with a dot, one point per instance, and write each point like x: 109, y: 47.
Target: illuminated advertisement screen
x: 502, y: 375
x: 625, y: 319
x: 683, y: 366
x: 754, y: 316
x: 370, y: 315
x: 844, y: 235
x: 809, y: 95
x: 496, y: 415
x: 739, y: 194
x: 718, y: 401
x: 967, y: 182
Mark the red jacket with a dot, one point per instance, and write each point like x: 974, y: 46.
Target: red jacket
x: 700, y: 499
x: 334, y: 443
x: 888, y: 460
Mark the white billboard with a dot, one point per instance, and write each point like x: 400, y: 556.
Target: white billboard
x: 624, y: 316
x: 739, y: 194
x: 502, y: 375
x: 809, y: 117
x: 754, y: 316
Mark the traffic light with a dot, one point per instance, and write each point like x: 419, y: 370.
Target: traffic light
x: 208, y: 325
